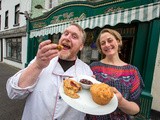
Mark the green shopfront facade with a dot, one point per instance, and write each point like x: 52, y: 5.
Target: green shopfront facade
x: 137, y: 21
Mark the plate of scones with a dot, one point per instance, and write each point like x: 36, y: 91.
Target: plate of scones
x: 86, y: 94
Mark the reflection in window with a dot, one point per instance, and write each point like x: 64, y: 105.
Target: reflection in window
x: 127, y: 49
x: 55, y: 38
x: 13, y: 49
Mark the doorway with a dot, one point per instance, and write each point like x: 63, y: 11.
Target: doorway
x: 127, y: 49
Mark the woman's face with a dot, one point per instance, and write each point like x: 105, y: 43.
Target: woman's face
x: 109, y: 44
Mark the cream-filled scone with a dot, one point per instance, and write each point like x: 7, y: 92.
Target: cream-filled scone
x: 71, y: 88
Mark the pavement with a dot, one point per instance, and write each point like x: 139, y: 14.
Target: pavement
x: 13, y: 109
x: 9, y: 109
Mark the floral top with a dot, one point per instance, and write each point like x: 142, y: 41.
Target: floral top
x: 126, y: 79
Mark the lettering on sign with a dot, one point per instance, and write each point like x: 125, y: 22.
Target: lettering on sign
x: 113, y: 9
x: 66, y: 17
x: 127, y: 31
x: 39, y: 25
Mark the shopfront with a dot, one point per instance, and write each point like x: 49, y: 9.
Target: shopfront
x: 138, y: 24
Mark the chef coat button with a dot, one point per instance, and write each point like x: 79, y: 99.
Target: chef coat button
x: 60, y: 97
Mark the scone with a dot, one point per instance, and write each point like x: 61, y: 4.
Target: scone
x: 71, y: 88
x: 59, y: 47
x: 101, y: 93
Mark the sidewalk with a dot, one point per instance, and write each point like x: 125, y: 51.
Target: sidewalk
x: 9, y: 109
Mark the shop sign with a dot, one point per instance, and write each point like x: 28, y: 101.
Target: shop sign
x: 65, y: 17
x: 112, y: 9
x: 39, y: 25
x: 128, y: 31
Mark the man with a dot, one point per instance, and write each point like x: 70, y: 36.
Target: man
x: 40, y: 81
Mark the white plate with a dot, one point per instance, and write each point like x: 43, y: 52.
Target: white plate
x: 85, y: 103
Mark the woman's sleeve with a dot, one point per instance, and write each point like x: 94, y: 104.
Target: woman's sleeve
x: 137, y: 86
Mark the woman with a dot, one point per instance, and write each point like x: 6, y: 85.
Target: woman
x: 124, y: 78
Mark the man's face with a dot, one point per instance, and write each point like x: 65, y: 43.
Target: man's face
x: 71, y: 40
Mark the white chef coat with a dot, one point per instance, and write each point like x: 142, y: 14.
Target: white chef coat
x: 43, y: 100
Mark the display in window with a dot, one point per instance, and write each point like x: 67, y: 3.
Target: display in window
x: 95, y: 54
x: 86, y: 54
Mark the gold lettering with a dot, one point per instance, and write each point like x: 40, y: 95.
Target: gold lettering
x: 39, y: 25
x: 128, y: 30
x: 66, y: 17
x: 113, y: 9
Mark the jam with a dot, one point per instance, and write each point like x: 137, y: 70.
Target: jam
x: 84, y: 81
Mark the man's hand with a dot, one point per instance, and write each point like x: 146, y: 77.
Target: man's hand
x: 45, y: 53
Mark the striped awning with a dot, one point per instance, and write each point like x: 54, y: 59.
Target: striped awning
x: 141, y: 13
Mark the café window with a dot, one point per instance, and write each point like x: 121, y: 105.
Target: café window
x: 90, y: 53
x: 127, y: 49
x: 128, y: 38
x: 55, y: 38
x: 14, y: 49
x: 6, y: 19
x: 16, y: 20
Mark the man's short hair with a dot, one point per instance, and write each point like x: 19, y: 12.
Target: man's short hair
x: 82, y: 30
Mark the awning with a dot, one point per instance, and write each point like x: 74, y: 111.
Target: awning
x: 141, y: 13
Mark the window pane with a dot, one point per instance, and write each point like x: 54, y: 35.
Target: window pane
x: 17, y: 14
x: 6, y: 19
x: 8, y: 47
x: 14, y: 49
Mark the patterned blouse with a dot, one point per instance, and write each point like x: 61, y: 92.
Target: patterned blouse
x: 126, y: 79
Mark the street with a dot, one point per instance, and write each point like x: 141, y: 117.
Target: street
x: 9, y: 109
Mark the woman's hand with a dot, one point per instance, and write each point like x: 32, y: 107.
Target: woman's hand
x: 118, y: 94
x: 126, y: 106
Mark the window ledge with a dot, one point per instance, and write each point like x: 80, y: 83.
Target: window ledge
x: 12, y: 59
x: 6, y: 27
x: 17, y: 24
